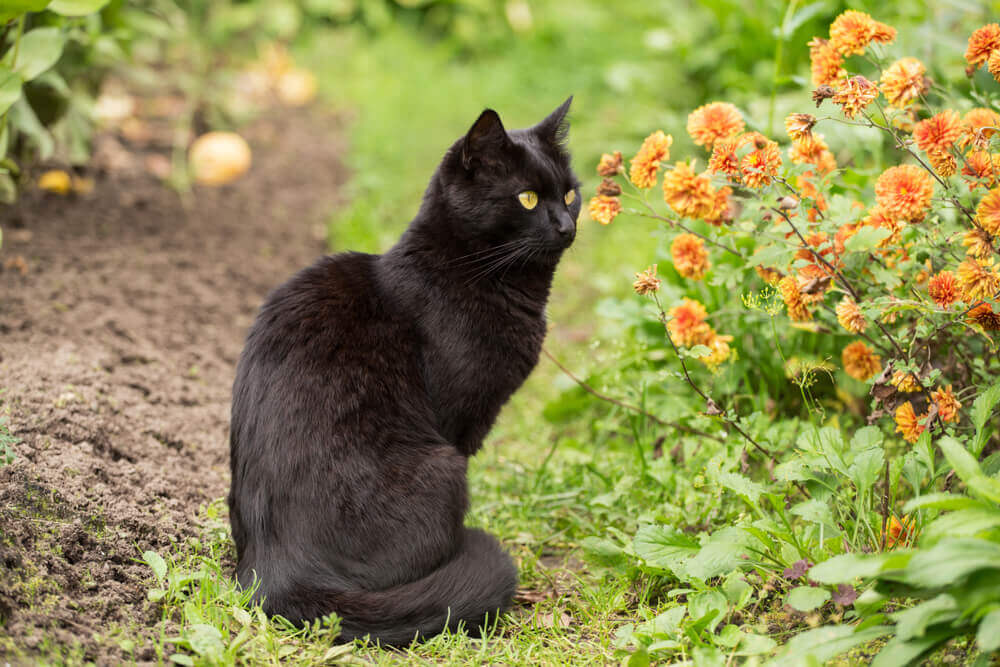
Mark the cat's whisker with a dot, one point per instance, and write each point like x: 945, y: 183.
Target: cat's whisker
x: 492, y: 250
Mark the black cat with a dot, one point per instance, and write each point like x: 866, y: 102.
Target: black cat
x: 367, y: 381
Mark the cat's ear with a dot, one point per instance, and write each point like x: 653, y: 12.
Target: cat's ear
x: 485, y: 140
x: 555, y: 127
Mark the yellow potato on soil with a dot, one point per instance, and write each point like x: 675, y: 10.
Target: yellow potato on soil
x: 55, y: 180
x: 217, y: 158
x: 297, y: 87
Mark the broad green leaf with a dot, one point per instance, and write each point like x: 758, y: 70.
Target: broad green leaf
x: 866, y: 438
x: 962, y: 523
x: 753, y: 644
x: 14, y: 8
x: 77, y: 7
x: 205, y: 640
x: 741, y: 486
x: 156, y: 562
x: 982, y: 408
x: 823, y: 644
x: 807, y: 598
x: 948, y: 562
x: 664, y: 625
x: 699, y: 351
x: 866, y: 238
x: 242, y: 616
x: 39, y: 50
x: 775, y: 254
x: 664, y: 547
x: 181, y: 659
x: 865, y: 469
x: 603, y: 551
x: 913, y: 622
x: 725, y: 551
x: 710, y: 602
x: 899, y: 652
x: 10, y: 89
x: 816, y: 511
x: 988, y: 636
x: 965, y: 466
x: 941, y: 501
x: 847, y: 567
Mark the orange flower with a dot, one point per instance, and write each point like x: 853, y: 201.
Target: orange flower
x: 906, y: 383
x: 984, y: 316
x: 855, y: 94
x: 604, y: 209
x: 980, y: 124
x: 687, y: 326
x: 852, y: 31
x: 905, y: 191
x: 908, y: 423
x: 903, y: 82
x: 860, y: 362
x: 646, y: 282
x: 769, y: 275
x: 813, y: 150
x: 610, y: 164
x: 827, y: 63
x: 977, y: 279
x: 791, y: 294
x: 799, y: 125
x: 711, y: 122
x: 978, y: 244
x: 939, y: 132
x: 993, y: 64
x: 982, y: 169
x: 721, y: 212
x: 646, y: 162
x: 690, y: 195
x: 901, y: 532
x: 850, y: 316
x: 719, y: 351
x: 690, y: 257
x: 761, y: 165
x: 981, y: 43
x: 944, y: 163
x: 988, y: 212
x: 947, y: 405
x: 943, y: 288
x: 724, y: 157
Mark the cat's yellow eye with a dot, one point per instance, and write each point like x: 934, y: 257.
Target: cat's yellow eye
x: 570, y: 197
x: 528, y: 199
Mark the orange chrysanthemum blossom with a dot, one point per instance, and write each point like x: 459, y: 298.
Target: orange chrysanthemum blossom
x: 813, y: 150
x: 827, y: 63
x: 860, y: 362
x: 760, y: 166
x: 908, y: 423
x: 853, y: 31
x: 905, y: 191
x: 977, y: 279
x: 769, y: 275
x: 799, y: 125
x: 939, y: 132
x: 690, y: 257
x: 943, y: 162
x: 903, y: 82
x: 646, y: 163
x: 984, y: 316
x: 711, y: 122
x: 906, y: 383
x: 611, y: 164
x: 854, y: 95
x: 844, y: 232
x: 687, y: 326
x: 947, y: 405
x: 981, y: 169
x: 978, y: 244
x: 604, y: 208
x: 725, y: 158
x: 982, y: 42
x: 850, y: 316
x: 980, y: 124
x: 901, y: 532
x: 721, y: 210
x: 719, y: 351
x: 988, y: 212
x: 690, y: 195
x: 943, y: 288
x: 791, y: 294
x: 993, y: 64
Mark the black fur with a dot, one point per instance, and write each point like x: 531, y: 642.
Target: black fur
x: 366, y: 383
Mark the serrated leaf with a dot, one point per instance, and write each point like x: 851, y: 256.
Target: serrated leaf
x: 76, y: 7
x: 866, y: 467
x: 807, y: 598
x: 847, y: 567
x: 39, y: 50
x: 156, y: 562
x: 664, y: 547
x: 602, y: 550
x: 725, y: 551
x: 741, y: 485
x: 866, y: 238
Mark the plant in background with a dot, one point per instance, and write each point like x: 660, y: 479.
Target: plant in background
x: 7, y: 442
x: 891, y: 274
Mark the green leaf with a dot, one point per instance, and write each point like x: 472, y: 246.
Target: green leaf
x: 816, y: 511
x: 982, y: 408
x: 242, y: 616
x: 913, y: 622
x: 39, y: 50
x: 156, y: 562
x: 865, y: 469
x: 699, y: 351
x: 77, y: 7
x: 741, y: 486
x: 962, y: 523
x: 867, y: 437
x: 772, y: 255
x: 965, y: 466
x: 603, y: 551
x: 14, y: 8
x: 823, y: 644
x: 866, y: 238
x: 709, y: 604
x: 988, y: 636
x: 905, y: 652
x: 10, y: 89
x: 181, y: 659
x: 848, y: 567
x: 664, y: 547
x: 948, y: 562
x: 807, y: 598
x: 753, y: 644
x: 205, y: 640
x: 941, y: 501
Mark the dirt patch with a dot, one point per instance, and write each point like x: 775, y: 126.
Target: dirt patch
x: 120, y: 333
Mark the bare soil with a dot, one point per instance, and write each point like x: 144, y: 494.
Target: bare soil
x: 120, y: 328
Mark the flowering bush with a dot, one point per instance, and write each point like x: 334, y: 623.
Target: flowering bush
x: 895, y: 269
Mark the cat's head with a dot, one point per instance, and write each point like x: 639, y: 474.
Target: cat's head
x: 511, y: 187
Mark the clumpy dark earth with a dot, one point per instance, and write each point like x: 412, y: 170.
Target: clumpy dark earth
x: 119, y: 335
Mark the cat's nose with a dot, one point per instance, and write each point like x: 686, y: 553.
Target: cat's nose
x: 565, y: 226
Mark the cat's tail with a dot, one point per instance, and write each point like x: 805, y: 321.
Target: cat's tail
x: 471, y: 589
